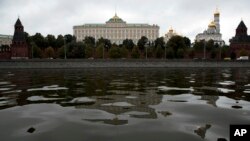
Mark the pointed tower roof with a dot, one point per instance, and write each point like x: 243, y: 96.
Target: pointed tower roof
x: 18, y: 22
x: 242, y: 25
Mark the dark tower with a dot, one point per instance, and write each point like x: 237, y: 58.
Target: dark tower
x: 241, y: 29
x: 19, y: 47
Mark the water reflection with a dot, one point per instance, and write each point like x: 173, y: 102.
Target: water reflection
x: 133, y: 94
x: 141, y: 88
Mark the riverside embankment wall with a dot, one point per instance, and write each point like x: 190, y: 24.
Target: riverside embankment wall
x: 120, y: 63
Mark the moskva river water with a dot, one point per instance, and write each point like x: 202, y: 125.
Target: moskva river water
x: 122, y: 104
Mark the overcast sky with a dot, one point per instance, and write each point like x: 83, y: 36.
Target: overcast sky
x: 187, y: 17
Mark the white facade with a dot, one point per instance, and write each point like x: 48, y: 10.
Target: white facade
x: 169, y: 35
x: 5, y: 40
x: 116, y: 30
x: 213, y: 31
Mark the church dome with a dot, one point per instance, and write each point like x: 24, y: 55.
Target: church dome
x: 115, y: 19
x: 216, y: 13
x: 212, y: 24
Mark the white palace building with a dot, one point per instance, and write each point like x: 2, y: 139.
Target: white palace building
x: 116, y: 30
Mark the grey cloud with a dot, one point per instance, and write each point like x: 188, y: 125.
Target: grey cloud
x: 188, y: 17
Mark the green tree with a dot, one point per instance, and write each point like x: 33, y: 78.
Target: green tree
x: 135, y: 52
x: 40, y: 41
x: 37, y: 52
x: 210, y: 45
x: 59, y: 41
x: 99, y: 51
x: 176, y: 42
x: 88, y: 51
x: 187, y: 42
x: 224, y: 51
x: 142, y: 42
x: 106, y: 42
x: 115, y: 52
x: 159, y: 42
x: 89, y: 41
x: 159, y: 51
x: 199, y: 46
x: 75, y: 50
x: 49, y: 52
x: 51, y: 40
x: 124, y: 52
x: 191, y: 53
x: 129, y: 44
x: 170, y: 53
x: 180, y: 53
x: 69, y: 38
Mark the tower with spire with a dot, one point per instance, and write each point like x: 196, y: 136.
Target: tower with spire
x: 19, y: 47
x: 241, y: 41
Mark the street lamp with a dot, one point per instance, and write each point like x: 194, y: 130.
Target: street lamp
x: 147, y: 45
x: 65, y: 56
x: 204, y: 52
x: 103, y: 51
x: 165, y: 45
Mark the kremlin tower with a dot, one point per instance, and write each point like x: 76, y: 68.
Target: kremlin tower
x: 19, y: 47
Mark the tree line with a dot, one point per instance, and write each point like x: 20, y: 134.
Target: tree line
x: 177, y: 47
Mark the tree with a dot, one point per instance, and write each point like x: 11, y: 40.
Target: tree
x: 176, y: 42
x: 129, y: 44
x: 40, y: 41
x: 142, y: 42
x: 124, y: 52
x: 35, y: 50
x: 199, y: 46
x: 135, y: 52
x: 78, y: 50
x: 99, y: 51
x: 59, y: 41
x: 115, y: 52
x: 210, y: 45
x: 170, y: 53
x: 150, y: 52
x: 88, y: 51
x: 51, y: 40
x: 191, y: 53
x: 69, y: 38
x: 187, y: 42
x: 89, y: 41
x: 224, y: 51
x: 75, y: 50
x: 159, y: 41
x: 180, y: 53
x: 106, y: 42
x: 159, y: 51
x: 49, y: 52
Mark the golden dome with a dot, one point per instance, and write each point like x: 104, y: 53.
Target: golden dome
x: 171, y: 29
x: 217, y: 12
x: 212, y: 24
x: 115, y: 17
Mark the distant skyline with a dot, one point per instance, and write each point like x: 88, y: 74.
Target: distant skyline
x: 187, y: 17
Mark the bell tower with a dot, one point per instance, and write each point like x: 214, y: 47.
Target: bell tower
x: 217, y: 20
x: 19, y: 47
